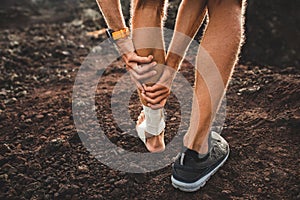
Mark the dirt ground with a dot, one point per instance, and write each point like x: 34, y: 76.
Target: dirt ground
x: 42, y: 156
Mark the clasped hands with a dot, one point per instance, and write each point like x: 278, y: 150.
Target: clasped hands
x: 141, y: 69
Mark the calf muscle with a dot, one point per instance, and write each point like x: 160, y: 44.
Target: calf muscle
x: 147, y: 22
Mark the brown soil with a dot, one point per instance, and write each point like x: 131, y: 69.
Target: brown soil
x: 42, y: 157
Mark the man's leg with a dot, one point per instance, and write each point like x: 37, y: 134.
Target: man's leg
x: 222, y: 41
x: 147, y: 25
x: 147, y: 22
x: 185, y: 30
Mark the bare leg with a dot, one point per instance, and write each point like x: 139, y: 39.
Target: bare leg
x: 147, y: 22
x: 185, y: 30
x: 189, y: 19
x: 222, y: 41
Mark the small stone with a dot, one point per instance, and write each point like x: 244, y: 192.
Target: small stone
x: 10, y: 101
x: 3, y: 93
x: 267, y: 179
x: 40, y: 116
x: 28, y: 120
x: 3, y: 177
x: 173, y: 119
x: 66, y: 53
x: 83, y: 168
x: 21, y: 94
x: 226, y: 191
x: 4, y: 148
x: 77, y: 22
x: 44, y: 138
x: 259, y: 190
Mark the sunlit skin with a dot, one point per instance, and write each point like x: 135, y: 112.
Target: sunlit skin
x: 222, y: 40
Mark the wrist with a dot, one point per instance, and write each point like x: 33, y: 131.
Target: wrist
x: 121, y: 38
x: 125, y: 45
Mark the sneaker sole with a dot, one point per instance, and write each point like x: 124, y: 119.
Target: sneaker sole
x: 192, y: 187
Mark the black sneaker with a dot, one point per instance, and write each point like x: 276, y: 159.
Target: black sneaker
x: 190, y: 173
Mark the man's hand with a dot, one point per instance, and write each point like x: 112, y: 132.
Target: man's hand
x: 140, y: 68
x: 157, y: 95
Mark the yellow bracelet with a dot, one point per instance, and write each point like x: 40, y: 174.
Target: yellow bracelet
x: 123, y: 33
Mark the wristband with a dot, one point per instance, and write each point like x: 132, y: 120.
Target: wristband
x: 116, y: 35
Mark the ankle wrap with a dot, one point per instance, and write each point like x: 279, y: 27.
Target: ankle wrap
x: 154, y: 119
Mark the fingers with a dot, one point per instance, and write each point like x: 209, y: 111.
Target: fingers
x: 141, y: 69
x: 154, y: 88
x: 142, y: 60
x: 155, y: 94
x: 133, y: 57
x: 142, y: 76
x: 140, y: 72
x: 157, y: 100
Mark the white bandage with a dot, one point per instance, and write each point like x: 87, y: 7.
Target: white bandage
x: 154, y: 119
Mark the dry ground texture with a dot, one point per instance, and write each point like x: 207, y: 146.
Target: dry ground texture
x: 42, y: 157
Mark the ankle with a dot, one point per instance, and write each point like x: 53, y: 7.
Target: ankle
x: 200, y: 146
x: 154, y: 119
x: 201, y: 149
x: 197, y: 141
